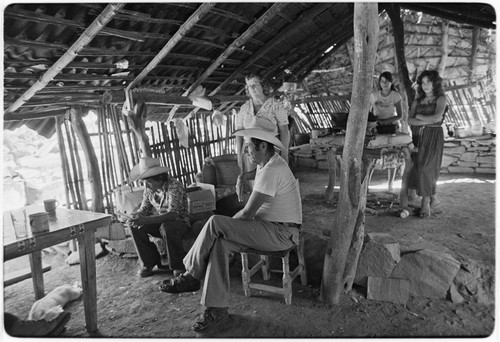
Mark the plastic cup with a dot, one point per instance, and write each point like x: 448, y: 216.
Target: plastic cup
x: 18, y: 217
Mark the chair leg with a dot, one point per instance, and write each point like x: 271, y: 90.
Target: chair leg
x: 302, y: 262
x: 245, y: 275
x: 266, y: 274
x: 287, y: 280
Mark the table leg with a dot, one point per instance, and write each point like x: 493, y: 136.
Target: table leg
x: 332, y: 170
x: 86, y: 248
x: 37, y: 274
x: 403, y: 195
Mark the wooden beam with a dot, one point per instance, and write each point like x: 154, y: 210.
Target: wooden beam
x: 185, y: 27
x: 168, y: 98
x: 444, y: 47
x: 294, y: 27
x: 473, y: 53
x: 240, y: 41
x: 94, y: 177
x: 72, y: 52
x: 350, y: 213
x: 43, y: 18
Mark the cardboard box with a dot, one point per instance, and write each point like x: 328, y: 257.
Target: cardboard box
x: 201, y: 200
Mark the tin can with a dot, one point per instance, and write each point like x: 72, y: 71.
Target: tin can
x: 39, y: 222
x: 404, y: 213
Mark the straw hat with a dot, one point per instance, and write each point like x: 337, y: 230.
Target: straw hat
x: 147, y: 167
x: 263, y: 129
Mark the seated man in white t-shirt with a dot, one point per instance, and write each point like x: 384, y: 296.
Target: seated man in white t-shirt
x: 270, y: 221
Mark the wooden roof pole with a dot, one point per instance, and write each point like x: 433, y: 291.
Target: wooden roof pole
x: 242, y: 39
x: 97, y: 25
x: 293, y: 27
x: 181, y: 32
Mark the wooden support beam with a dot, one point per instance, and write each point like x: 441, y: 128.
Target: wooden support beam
x: 168, y: 99
x: 297, y: 25
x: 185, y: 27
x: 240, y: 41
x: 93, y: 175
x: 473, y: 53
x: 44, y: 18
x: 444, y: 47
x: 351, y: 197
x: 72, y: 52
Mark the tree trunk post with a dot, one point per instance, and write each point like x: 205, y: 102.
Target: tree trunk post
x: 137, y: 121
x: 90, y: 157
x: 366, y: 28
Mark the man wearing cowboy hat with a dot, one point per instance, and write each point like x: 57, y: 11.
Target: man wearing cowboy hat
x: 270, y: 221
x: 163, y: 214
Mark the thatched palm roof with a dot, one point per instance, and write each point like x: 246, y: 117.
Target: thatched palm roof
x: 58, y: 55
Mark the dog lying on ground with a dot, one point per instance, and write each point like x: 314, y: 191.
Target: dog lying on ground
x: 51, y: 306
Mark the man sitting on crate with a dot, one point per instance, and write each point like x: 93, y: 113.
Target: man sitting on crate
x: 270, y: 221
x: 163, y: 213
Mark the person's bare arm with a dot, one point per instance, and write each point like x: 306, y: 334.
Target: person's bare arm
x: 254, y: 203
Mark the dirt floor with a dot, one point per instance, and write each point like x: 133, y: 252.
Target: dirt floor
x: 129, y: 306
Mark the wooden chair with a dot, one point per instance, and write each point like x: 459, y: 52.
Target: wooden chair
x: 263, y: 263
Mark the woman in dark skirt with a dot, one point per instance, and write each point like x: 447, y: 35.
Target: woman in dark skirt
x: 426, y: 117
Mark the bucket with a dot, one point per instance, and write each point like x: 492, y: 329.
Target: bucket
x: 462, y: 132
x: 476, y: 130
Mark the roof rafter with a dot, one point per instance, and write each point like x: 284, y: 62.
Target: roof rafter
x: 185, y: 27
x: 86, y: 37
x: 241, y: 40
x: 290, y: 29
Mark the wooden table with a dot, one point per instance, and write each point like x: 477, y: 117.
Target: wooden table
x: 373, y: 148
x: 64, y: 225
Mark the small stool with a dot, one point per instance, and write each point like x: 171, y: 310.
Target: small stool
x: 263, y: 263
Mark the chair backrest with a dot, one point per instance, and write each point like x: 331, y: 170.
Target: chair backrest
x: 227, y: 169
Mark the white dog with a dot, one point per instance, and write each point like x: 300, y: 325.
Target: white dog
x: 51, y: 306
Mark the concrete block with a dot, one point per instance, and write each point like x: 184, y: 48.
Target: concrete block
x: 388, y: 290
x: 430, y: 273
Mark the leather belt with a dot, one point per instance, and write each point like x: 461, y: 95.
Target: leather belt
x: 290, y: 224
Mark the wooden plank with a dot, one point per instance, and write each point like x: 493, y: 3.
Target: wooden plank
x: 20, y: 275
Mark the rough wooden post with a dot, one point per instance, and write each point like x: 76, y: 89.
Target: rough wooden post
x: 137, y: 121
x: 94, y: 176
x: 366, y: 30
x: 394, y: 10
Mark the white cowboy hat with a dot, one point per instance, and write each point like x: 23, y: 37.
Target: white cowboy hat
x: 263, y: 129
x: 147, y: 167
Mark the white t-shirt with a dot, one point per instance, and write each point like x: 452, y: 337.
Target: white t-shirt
x: 276, y: 179
x: 384, y: 106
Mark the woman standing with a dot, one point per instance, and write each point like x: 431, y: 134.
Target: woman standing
x: 386, y: 107
x: 425, y: 118
x: 262, y: 106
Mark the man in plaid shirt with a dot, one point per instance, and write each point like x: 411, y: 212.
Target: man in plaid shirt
x: 163, y: 214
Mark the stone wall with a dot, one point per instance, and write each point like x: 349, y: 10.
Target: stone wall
x: 461, y: 155
x: 469, y: 155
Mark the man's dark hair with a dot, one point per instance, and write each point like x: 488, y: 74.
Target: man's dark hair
x: 256, y: 142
